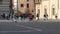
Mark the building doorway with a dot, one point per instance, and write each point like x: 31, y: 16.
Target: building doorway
x: 45, y: 13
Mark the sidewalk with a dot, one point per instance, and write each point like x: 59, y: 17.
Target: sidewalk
x: 41, y: 20
x: 6, y: 21
x: 27, y: 20
x: 50, y: 20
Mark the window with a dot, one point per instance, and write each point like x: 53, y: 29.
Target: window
x: 35, y: 0
x: 38, y: 11
x: 27, y: 0
x: 45, y: 14
x: 32, y: 10
x: 45, y: 11
x: 22, y: 5
x: 38, y: 0
x: 27, y: 5
x: 53, y: 11
x: 0, y: 1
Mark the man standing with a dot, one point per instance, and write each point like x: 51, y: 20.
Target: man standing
x: 45, y: 16
x: 30, y: 17
x: 38, y: 16
x: 56, y: 16
x: 6, y: 16
x: 16, y: 16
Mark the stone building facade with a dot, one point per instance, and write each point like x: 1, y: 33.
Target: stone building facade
x: 25, y: 5
x: 49, y: 7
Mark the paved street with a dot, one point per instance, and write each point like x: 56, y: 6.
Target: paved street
x: 29, y: 27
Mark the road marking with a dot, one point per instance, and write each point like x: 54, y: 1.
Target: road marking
x: 32, y: 28
x: 17, y: 31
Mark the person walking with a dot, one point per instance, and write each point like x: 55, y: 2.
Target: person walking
x: 17, y: 18
x: 45, y: 16
x: 6, y: 16
x: 38, y: 16
x: 30, y: 17
x: 56, y: 16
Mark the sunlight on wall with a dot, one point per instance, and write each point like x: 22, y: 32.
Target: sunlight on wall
x: 59, y: 14
x: 15, y: 4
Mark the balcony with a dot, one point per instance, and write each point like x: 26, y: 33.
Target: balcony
x: 37, y: 1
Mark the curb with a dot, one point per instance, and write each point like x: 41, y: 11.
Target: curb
x: 51, y: 20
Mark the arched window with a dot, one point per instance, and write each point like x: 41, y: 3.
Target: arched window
x: 53, y: 11
x: 22, y: 5
x: 38, y: 11
x: 45, y: 11
x: 27, y: 5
